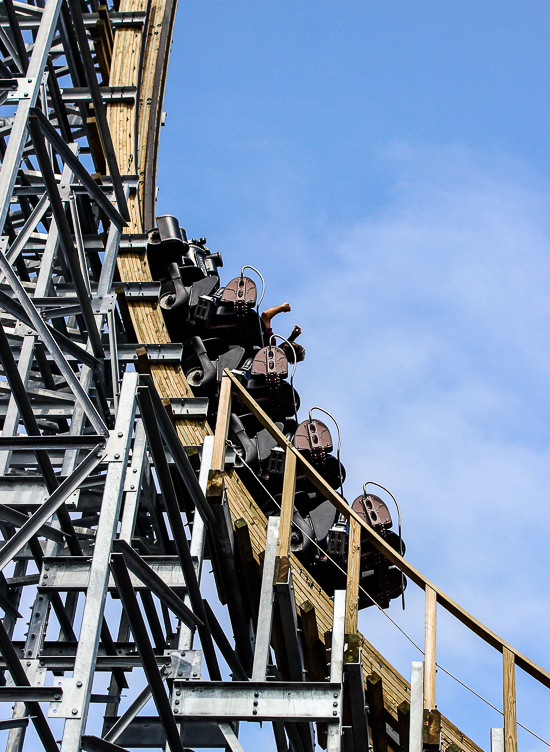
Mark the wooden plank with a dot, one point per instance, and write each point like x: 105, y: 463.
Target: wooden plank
x: 429, y: 647
x: 403, y: 724
x: 509, y: 696
x: 315, y: 660
x: 222, y: 426
x: 431, y: 730
x: 248, y: 568
x: 377, y: 721
x: 380, y: 544
x: 353, y: 574
x: 287, y: 512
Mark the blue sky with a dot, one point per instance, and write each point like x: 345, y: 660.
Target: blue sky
x: 386, y: 166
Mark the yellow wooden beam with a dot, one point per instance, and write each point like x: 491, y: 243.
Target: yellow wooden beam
x: 429, y: 648
x: 509, y: 696
x: 353, y: 574
x: 287, y: 512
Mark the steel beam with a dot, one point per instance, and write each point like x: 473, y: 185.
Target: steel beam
x: 265, y: 614
x: 139, y: 630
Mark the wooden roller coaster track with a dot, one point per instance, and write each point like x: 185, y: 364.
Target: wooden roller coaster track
x: 91, y: 461
x: 170, y: 381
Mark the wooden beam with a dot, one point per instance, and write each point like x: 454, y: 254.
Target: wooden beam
x: 248, y: 568
x: 287, y: 512
x: 431, y: 730
x: 380, y: 544
x: 509, y: 692
x: 216, y: 473
x: 429, y: 647
x: 403, y: 725
x: 353, y: 574
x: 377, y: 721
x: 355, y: 700
x: 315, y: 658
x: 222, y: 425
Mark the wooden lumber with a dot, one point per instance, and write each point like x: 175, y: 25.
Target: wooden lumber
x: 353, y: 574
x: 431, y: 730
x: 429, y: 647
x: 403, y: 725
x: 248, y: 568
x: 509, y: 697
x: 287, y: 512
x: 96, y: 145
x: 315, y: 661
x: 103, y: 11
x: 355, y: 701
x: 222, y: 426
x: 377, y: 721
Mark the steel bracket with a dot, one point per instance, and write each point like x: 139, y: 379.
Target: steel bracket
x: 189, y: 407
x: 143, y: 290
x: 115, y: 450
x: 71, y: 698
x: 185, y: 664
x: 168, y: 352
x: 104, y: 304
x: 25, y: 88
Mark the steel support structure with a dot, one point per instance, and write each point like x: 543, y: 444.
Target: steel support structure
x: 104, y: 517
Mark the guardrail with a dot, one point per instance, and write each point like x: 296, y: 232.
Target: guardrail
x: 357, y: 526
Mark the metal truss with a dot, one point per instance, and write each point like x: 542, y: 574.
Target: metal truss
x: 104, y: 517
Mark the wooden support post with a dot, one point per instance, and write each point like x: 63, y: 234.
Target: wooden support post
x: 103, y: 11
x: 509, y: 692
x: 377, y: 719
x: 354, y: 699
x: 215, y: 486
x: 96, y: 146
x: 429, y: 648
x: 144, y: 366
x: 315, y: 661
x: 431, y: 730
x: 248, y: 568
x: 222, y: 425
x: 354, y: 571
x: 403, y: 725
x: 287, y: 512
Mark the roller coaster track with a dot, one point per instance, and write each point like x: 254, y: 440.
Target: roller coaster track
x: 104, y: 446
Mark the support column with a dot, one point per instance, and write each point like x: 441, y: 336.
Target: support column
x: 417, y: 706
x: 509, y: 692
x: 96, y: 594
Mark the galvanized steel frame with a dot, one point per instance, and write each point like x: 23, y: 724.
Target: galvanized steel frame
x: 89, y: 457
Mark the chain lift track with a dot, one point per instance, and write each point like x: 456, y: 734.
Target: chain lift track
x: 131, y: 452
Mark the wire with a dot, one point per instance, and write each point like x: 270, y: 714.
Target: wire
x: 292, y: 374
x: 395, y: 624
x: 374, y: 483
x: 339, y: 442
x: 247, y: 266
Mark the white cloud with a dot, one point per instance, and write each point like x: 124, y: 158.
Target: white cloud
x: 427, y: 331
